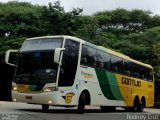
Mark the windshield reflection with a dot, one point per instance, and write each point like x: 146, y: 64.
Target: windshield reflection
x: 36, y: 67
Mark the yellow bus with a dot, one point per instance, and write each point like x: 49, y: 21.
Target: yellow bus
x: 68, y: 71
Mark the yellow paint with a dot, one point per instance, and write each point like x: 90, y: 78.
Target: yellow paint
x: 130, y: 91
x: 22, y: 87
x: 88, y: 76
x: 68, y: 97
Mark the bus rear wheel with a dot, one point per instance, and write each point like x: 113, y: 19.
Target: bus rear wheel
x: 142, y: 106
x: 136, y: 105
x: 45, y: 107
x: 82, y: 103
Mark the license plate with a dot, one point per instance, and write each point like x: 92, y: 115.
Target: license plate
x: 28, y: 97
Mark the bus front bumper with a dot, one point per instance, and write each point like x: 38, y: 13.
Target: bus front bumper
x: 50, y: 98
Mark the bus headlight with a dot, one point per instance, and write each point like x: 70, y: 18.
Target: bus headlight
x: 48, y: 89
x: 14, y: 88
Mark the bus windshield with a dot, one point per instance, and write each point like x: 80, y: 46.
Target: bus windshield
x: 36, y: 67
x: 36, y: 61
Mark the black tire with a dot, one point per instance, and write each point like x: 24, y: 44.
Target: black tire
x: 136, y: 105
x: 82, y: 103
x: 108, y: 108
x: 45, y: 107
x: 141, y: 106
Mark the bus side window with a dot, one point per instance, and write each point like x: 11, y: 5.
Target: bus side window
x: 149, y: 74
x: 141, y: 72
x: 69, y: 63
x: 103, y: 60
x: 116, y: 64
x: 84, y: 60
x: 88, y: 56
x: 135, y: 70
x: 127, y: 67
x: 83, y: 56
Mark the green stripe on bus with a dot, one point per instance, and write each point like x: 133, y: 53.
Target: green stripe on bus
x: 104, y: 84
x: 114, y: 85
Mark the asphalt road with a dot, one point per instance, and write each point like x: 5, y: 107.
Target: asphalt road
x: 23, y: 111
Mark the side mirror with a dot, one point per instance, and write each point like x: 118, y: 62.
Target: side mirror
x: 57, y: 54
x: 9, y: 58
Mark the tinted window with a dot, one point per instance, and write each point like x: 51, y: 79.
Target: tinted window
x: 36, y: 67
x: 127, y: 67
x: 135, y: 70
x: 88, y: 56
x: 69, y: 63
x: 142, y: 73
x: 149, y: 74
x: 116, y: 64
x: 103, y: 60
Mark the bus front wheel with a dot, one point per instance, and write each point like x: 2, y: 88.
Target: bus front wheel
x: 45, y: 107
x: 81, y: 104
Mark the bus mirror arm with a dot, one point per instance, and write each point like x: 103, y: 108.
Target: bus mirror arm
x: 57, y: 54
x: 7, y: 56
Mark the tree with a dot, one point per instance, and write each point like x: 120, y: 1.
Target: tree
x: 19, y: 19
x: 156, y: 50
x: 122, y: 21
x: 56, y: 21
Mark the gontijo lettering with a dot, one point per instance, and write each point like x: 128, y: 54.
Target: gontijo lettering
x: 131, y: 82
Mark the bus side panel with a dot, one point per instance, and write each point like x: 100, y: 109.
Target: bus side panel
x: 102, y: 86
x: 131, y: 87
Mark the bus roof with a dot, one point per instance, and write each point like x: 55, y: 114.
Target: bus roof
x: 58, y: 36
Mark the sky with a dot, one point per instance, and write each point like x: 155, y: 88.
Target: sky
x: 92, y: 6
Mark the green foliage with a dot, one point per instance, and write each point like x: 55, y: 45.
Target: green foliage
x: 9, y: 43
x: 88, y: 29
x: 56, y: 21
x: 121, y: 21
x: 19, y: 20
x: 156, y: 50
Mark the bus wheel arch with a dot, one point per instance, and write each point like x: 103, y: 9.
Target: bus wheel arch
x: 84, y: 99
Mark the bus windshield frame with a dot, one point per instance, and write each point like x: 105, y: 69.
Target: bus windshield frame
x: 35, y: 63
